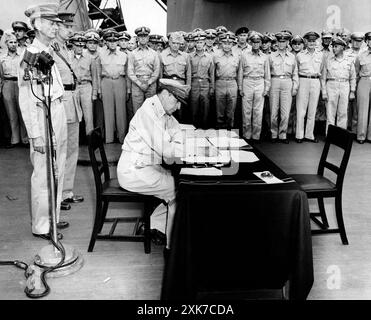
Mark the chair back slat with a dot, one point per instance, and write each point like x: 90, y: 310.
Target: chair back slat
x: 100, y: 168
x: 343, y: 139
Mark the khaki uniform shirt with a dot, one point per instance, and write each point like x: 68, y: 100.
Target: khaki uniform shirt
x: 85, y: 69
x: 28, y: 103
x: 64, y: 70
x: 203, y: 67
x: 339, y: 68
x: 178, y: 64
x: 143, y: 62
x: 284, y: 65
x: 255, y: 65
x: 310, y: 64
x: 153, y: 135
x: 113, y: 64
x: 9, y: 65
x: 363, y: 64
x: 226, y: 64
x: 98, y: 64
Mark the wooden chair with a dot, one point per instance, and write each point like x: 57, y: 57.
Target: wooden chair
x: 108, y: 190
x: 319, y: 187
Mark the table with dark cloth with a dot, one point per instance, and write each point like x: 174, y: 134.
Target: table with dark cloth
x: 236, y: 233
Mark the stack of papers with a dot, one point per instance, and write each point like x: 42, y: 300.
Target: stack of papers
x: 201, y: 171
x: 227, y: 142
x: 184, y: 126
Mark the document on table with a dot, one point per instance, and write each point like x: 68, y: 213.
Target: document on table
x: 241, y: 156
x: 201, y: 171
x: 267, y: 177
x: 192, y: 144
x: 223, y: 156
x: 227, y: 142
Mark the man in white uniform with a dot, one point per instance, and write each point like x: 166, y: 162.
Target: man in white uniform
x: 44, y: 20
x: 154, y: 134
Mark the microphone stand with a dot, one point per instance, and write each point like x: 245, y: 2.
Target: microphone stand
x: 54, y: 260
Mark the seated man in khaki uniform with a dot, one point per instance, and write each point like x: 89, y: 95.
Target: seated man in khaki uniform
x: 154, y: 134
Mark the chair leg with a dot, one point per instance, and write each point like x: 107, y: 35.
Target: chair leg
x: 322, y: 211
x: 103, y: 216
x: 97, y: 225
x: 339, y: 218
x: 147, y: 226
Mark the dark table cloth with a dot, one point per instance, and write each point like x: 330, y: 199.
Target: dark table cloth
x: 236, y: 233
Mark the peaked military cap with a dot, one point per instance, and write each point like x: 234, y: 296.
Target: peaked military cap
x: 327, y: 34
x: 91, y: 35
x: 188, y: 36
x: 31, y: 33
x: 282, y: 35
x: 344, y: 32
x: 267, y: 37
x: 124, y: 36
x: 220, y: 29
x: 78, y: 38
x: 242, y: 30
x: 111, y: 35
x: 311, y: 35
x: 228, y: 36
x: 368, y: 35
x: 67, y: 17
x: 180, y: 91
x: 156, y: 38
x: 20, y: 25
x: 297, y: 39
x: 210, y: 33
x: 176, y: 36
x: 357, y: 36
x: 339, y: 40
x: 201, y: 35
x: 142, y: 31
x: 47, y: 11
x: 255, y: 36
x: 197, y: 30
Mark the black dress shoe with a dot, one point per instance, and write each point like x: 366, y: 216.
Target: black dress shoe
x: 158, y: 237
x: 361, y: 141
x: 65, y: 206
x: 46, y: 236
x: 299, y: 140
x: 315, y: 140
x: 74, y: 199
x: 62, y: 225
x: 285, y: 141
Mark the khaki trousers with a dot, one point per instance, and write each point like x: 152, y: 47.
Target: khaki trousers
x: 337, y: 103
x: 10, y: 98
x: 252, y: 108
x: 226, y: 100
x: 363, y: 109
x: 138, y: 95
x: 39, y: 185
x: 114, y: 104
x: 280, y: 99
x: 306, y: 105
x: 84, y: 93
x: 200, y: 103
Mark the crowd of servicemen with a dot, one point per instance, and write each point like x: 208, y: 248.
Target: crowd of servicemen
x: 271, y: 84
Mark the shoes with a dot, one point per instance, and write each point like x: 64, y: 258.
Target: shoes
x: 285, y: 141
x: 361, y: 141
x: 157, y: 237
x: 368, y: 141
x: 62, y: 225
x: 315, y: 140
x: 65, y: 205
x: 274, y: 140
x: 299, y: 140
x: 74, y: 199
x: 46, y: 236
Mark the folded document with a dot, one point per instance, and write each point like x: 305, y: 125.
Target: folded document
x: 210, y: 171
